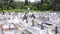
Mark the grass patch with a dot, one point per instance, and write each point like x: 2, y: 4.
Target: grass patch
x: 25, y: 10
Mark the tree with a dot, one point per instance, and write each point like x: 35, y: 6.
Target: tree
x: 58, y: 7
x: 45, y: 7
x: 54, y: 3
x: 41, y: 2
x: 26, y: 2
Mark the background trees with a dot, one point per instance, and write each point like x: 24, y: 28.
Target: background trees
x: 56, y: 4
x: 41, y: 5
x: 26, y: 2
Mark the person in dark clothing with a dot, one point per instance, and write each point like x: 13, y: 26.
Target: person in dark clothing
x: 33, y: 16
x: 25, y: 17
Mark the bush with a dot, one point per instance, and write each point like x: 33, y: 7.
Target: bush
x: 25, y: 7
x: 0, y: 9
x: 10, y: 8
x: 35, y: 8
x: 57, y: 6
x: 45, y: 7
x: 30, y: 7
x: 4, y: 8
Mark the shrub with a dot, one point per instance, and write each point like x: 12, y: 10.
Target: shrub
x: 45, y: 6
x: 57, y: 6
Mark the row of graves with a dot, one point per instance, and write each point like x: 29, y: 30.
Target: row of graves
x: 30, y: 23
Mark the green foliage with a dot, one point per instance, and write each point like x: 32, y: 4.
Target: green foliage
x: 35, y: 8
x: 41, y: 5
x: 26, y: 2
x: 30, y: 7
x: 0, y: 9
x: 25, y: 7
x: 45, y: 6
x: 10, y: 8
x: 58, y: 7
